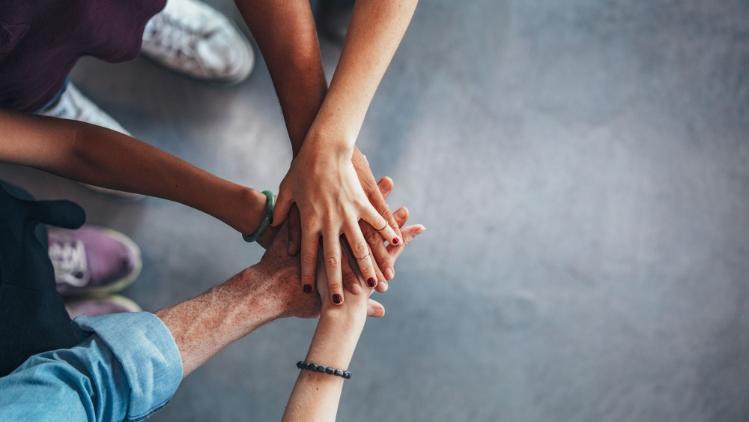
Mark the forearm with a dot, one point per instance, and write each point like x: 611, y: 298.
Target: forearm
x: 102, y: 157
x: 375, y: 31
x: 203, y: 326
x: 316, y: 395
x: 287, y: 37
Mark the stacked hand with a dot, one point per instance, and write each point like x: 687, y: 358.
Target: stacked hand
x: 333, y: 192
x: 282, y: 266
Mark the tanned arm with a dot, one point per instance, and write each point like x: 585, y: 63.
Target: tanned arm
x: 102, y: 157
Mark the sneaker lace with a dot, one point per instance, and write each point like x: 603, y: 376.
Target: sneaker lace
x: 69, y: 262
x: 177, y: 35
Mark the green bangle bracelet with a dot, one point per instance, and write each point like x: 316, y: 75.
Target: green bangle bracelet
x: 265, y: 222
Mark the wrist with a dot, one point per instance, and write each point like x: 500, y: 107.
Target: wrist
x: 348, y: 317
x: 335, y: 339
x: 330, y: 143
x: 250, y: 210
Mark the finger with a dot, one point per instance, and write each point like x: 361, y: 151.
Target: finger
x: 310, y: 241
x: 371, y: 216
x: 375, y: 309
x: 360, y: 252
x: 382, y: 286
x: 350, y: 278
x: 283, y: 204
x: 332, y: 260
x: 412, y: 231
x: 401, y: 216
x: 295, y: 231
x: 409, y: 233
x: 386, y: 186
x: 383, y: 261
x: 377, y: 200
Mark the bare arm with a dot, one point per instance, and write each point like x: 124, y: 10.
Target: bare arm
x: 206, y: 324
x: 286, y: 34
x: 103, y: 157
x: 375, y: 31
x: 315, y: 395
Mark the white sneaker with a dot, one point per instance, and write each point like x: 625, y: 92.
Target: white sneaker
x: 73, y: 105
x: 192, y: 38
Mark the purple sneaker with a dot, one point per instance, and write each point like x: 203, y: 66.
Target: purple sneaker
x: 101, y: 306
x: 92, y: 260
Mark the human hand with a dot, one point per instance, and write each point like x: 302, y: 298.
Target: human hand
x: 325, y: 187
x: 283, y: 273
x: 384, y: 268
x: 357, y: 302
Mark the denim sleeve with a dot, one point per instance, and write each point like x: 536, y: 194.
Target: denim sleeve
x: 128, y: 368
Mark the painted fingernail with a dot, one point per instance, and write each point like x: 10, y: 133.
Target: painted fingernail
x: 371, y: 282
x: 337, y: 299
x: 396, y: 241
x: 307, y: 288
x: 389, y: 274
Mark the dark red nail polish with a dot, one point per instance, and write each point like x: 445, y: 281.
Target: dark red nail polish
x: 396, y: 241
x: 337, y: 299
x: 307, y: 288
x: 372, y: 282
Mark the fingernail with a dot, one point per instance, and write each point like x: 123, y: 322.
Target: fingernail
x: 396, y: 241
x: 337, y: 299
x: 307, y: 288
x: 389, y: 274
x: 371, y: 282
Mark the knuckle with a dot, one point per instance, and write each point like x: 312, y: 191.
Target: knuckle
x: 307, y: 278
x: 310, y: 221
x: 332, y: 261
x: 335, y: 287
x: 308, y: 260
x: 360, y: 248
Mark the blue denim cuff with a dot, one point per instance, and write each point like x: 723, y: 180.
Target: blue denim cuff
x: 150, y: 359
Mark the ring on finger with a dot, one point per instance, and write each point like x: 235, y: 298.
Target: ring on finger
x: 383, y: 227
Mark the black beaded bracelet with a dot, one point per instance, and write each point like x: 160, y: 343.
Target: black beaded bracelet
x: 310, y: 366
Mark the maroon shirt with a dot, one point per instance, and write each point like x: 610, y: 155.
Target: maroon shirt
x: 41, y: 40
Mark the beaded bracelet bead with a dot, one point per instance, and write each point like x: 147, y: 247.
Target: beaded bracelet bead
x: 311, y: 366
x: 265, y: 222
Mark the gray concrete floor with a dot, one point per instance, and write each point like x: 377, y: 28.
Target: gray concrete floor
x: 583, y: 168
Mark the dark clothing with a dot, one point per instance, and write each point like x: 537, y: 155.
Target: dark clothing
x: 41, y: 40
x: 33, y: 318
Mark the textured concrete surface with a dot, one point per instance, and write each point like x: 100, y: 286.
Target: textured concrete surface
x: 583, y: 168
